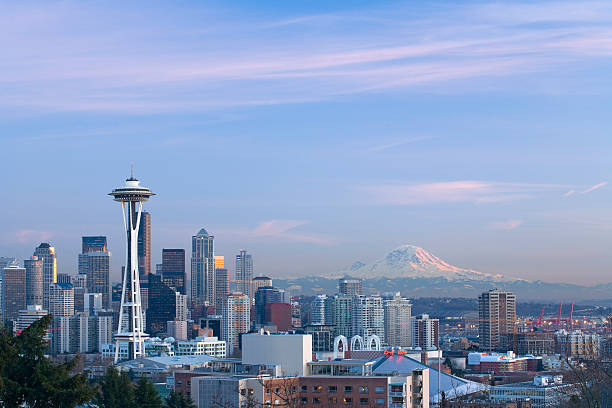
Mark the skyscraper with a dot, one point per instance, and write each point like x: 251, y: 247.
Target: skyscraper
x: 130, y: 329
x: 342, y: 315
x: 47, y: 253
x: 349, y: 286
x: 165, y: 304
x: 244, y: 273
x: 425, y: 332
x: 144, y: 244
x: 236, y: 319
x: 95, y: 263
x: 219, y: 261
x: 368, y: 316
x: 173, y: 268
x: 260, y: 281
x: 398, y: 321
x: 496, y: 318
x: 14, y: 292
x: 34, y: 281
x: 263, y: 296
x: 203, y: 268
x: 221, y: 286
x: 61, y: 299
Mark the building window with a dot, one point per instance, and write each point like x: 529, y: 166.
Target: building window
x: 380, y: 401
x: 243, y: 392
x: 348, y: 400
x: 397, y: 388
x: 304, y: 401
x: 348, y: 389
x: 316, y: 400
x: 363, y: 389
x: 380, y: 390
x: 267, y: 391
x: 332, y: 388
x: 364, y: 401
x: 333, y: 400
x: 317, y: 388
x: 304, y: 388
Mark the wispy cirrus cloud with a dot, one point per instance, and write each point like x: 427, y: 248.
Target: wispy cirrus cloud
x: 506, y: 225
x: 593, y: 188
x: 465, y: 191
x: 283, y: 230
x: 399, y: 143
x: 98, y: 57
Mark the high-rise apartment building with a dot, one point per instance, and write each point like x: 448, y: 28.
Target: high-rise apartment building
x: 368, y: 316
x: 425, y: 332
x: 28, y: 316
x: 496, y: 319
x: 144, y: 244
x: 14, y: 292
x: 93, y: 244
x: 203, y: 268
x: 397, y: 319
x: 317, y: 310
x: 342, y: 315
x: 236, y: 319
x: 221, y: 286
x: 173, y: 269
x: 61, y: 300
x: 244, y: 273
x: 165, y: 304
x: 47, y: 253
x: 349, y: 286
x: 34, y: 281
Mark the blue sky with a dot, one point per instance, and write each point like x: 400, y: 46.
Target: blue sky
x: 315, y: 134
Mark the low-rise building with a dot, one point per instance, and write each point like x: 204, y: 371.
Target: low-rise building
x: 543, y: 391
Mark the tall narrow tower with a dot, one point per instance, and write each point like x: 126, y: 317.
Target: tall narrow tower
x: 130, y: 329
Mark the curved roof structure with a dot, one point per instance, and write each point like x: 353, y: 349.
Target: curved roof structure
x: 203, y: 232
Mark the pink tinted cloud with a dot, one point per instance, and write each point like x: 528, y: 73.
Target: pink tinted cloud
x: 284, y: 230
x: 595, y: 187
x: 506, y: 225
x: 26, y: 236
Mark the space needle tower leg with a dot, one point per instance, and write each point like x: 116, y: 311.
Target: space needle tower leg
x: 130, y: 326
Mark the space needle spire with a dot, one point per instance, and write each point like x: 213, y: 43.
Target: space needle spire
x: 130, y: 328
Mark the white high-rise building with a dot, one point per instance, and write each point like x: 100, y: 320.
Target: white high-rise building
x: 29, y: 316
x: 181, y: 306
x: 342, y: 315
x: 397, y: 317
x: 236, y: 319
x: 368, y: 316
x: 496, y: 318
x: 61, y: 299
x: 317, y: 310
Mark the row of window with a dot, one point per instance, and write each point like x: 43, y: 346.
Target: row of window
x: 347, y: 389
x: 345, y: 400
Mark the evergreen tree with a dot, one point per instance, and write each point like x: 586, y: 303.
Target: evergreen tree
x: 28, y: 377
x: 146, y: 394
x: 177, y: 400
x: 116, y: 390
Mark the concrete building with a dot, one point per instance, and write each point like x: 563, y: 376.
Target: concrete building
x: 291, y: 351
x: 397, y: 318
x: 46, y: 253
x: 502, y: 363
x: 578, y: 344
x: 34, y: 280
x: 176, y: 329
x: 350, y: 286
x: 236, y: 319
x: 543, y: 392
x: 221, y: 286
x: 61, y: 300
x: 96, y: 266
x: 13, y: 292
x: 28, y: 316
x: 496, y: 318
x: 425, y: 332
x: 263, y: 296
x: 536, y: 343
x: 210, y: 346
x: 244, y: 273
x: 322, y: 337
x: 342, y: 315
x: 368, y: 317
x: 203, y: 268
x: 92, y: 303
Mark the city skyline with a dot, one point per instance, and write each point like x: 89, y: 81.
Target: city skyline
x: 477, y: 132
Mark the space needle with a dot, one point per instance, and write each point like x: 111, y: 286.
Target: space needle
x: 130, y: 328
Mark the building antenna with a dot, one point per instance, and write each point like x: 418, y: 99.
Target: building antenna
x: 132, y: 171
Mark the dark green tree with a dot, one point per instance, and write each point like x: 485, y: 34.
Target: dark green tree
x: 116, y: 390
x: 146, y: 394
x: 28, y: 377
x: 177, y: 400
